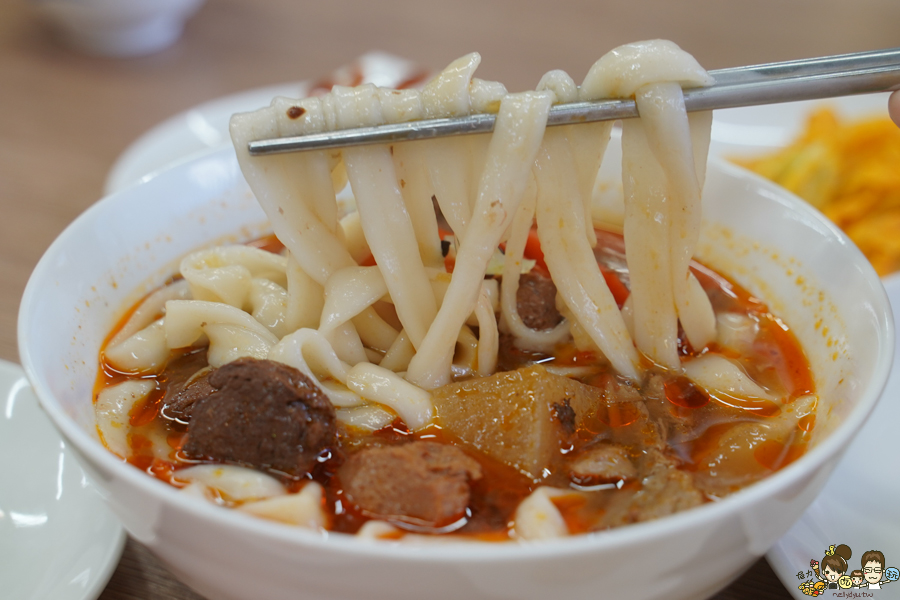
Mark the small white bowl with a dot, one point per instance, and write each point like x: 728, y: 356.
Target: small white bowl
x: 119, y: 28
x: 781, y: 249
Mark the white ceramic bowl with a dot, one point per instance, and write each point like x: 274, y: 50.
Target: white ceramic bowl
x: 769, y: 241
x: 119, y: 28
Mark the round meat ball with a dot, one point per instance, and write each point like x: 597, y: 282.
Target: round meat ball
x: 262, y: 414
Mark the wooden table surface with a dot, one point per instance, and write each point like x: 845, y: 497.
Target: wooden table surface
x: 65, y: 117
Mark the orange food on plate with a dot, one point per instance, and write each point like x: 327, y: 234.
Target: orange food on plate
x: 850, y: 170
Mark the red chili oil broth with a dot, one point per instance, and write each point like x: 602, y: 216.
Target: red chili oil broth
x: 778, y: 362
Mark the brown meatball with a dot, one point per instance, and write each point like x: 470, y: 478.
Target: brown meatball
x: 536, y: 301
x: 262, y: 414
x: 424, y: 483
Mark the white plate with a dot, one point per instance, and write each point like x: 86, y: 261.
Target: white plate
x: 57, y: 538
x: 859, y: 504
x: 205, y: 127
x: 755, y: 130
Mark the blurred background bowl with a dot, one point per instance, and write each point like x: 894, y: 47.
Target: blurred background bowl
x: 120, y: 28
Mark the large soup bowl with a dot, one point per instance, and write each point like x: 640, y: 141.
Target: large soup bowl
x: 779, y: 248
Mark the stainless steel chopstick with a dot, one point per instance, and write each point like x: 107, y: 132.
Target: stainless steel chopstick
x: 807, y: 79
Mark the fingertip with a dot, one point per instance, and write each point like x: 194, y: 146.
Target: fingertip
x: 894, y: 107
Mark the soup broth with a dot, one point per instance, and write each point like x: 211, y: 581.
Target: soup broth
x: 663, y: 422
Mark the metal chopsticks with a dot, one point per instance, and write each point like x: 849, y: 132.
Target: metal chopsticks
x: 807, y: 79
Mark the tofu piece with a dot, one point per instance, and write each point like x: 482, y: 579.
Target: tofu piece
x: 522, y: 418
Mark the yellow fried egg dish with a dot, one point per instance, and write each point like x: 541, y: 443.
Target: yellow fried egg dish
x: 850, y: 170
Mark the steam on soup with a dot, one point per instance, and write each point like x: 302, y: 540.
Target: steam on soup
x: 469, y: 351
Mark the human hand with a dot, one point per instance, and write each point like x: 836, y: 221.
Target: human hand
x: 894, y: 107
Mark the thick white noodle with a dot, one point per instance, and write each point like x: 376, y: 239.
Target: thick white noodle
x: 289, y: 202
x: 588, y: 140
x: 348, y: 292
x: 383, y: 214
x: 309, y: 352
x: 112, y: 411
x: 537, y: 518
x: 452, y: 167
x: 150, y: 309
x: 232, y: 333
x: 233, y: 482
x: 377, y: 530
x: 656, y: 239
x: 647, y: 243
x: 517, y: 135
x: 491, y: 289
x: 370, y: 417
x: 144, y: 352
x: 316, y: 175
x: 399, y: 354
x: 269, y: 305
x: 223, y: 274
x: 621, y: 71
x: 669, y: 136
x: 347, y: 344
x: 455, y: 164
x: 465, y: 356
x: 307, y: 308
x: 447, y: 95
x: 719, y: 375
x: 375, y: 332
x: 415, y: 185
x: 570, y: 259
x: 306, y: 297
x: 386, y: 387
x: 488, y: 336
x: 736, y: 331
x: 303, y: 509
x: 355, y: 237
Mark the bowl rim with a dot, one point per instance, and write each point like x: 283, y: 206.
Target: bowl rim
x: 462, y: 550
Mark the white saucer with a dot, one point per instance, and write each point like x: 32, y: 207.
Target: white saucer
x: 860, y: 504
x: 57, y: 538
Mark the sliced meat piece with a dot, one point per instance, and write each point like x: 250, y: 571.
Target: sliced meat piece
x: 262, y: 414
x: 621, y: 415
x: 664, y: 489
x: 536, y: 301
x: 424, y: 483
x: 677, y: 423
x: 603, y: 463
x: 180, y: 406
x: 182, y: 374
